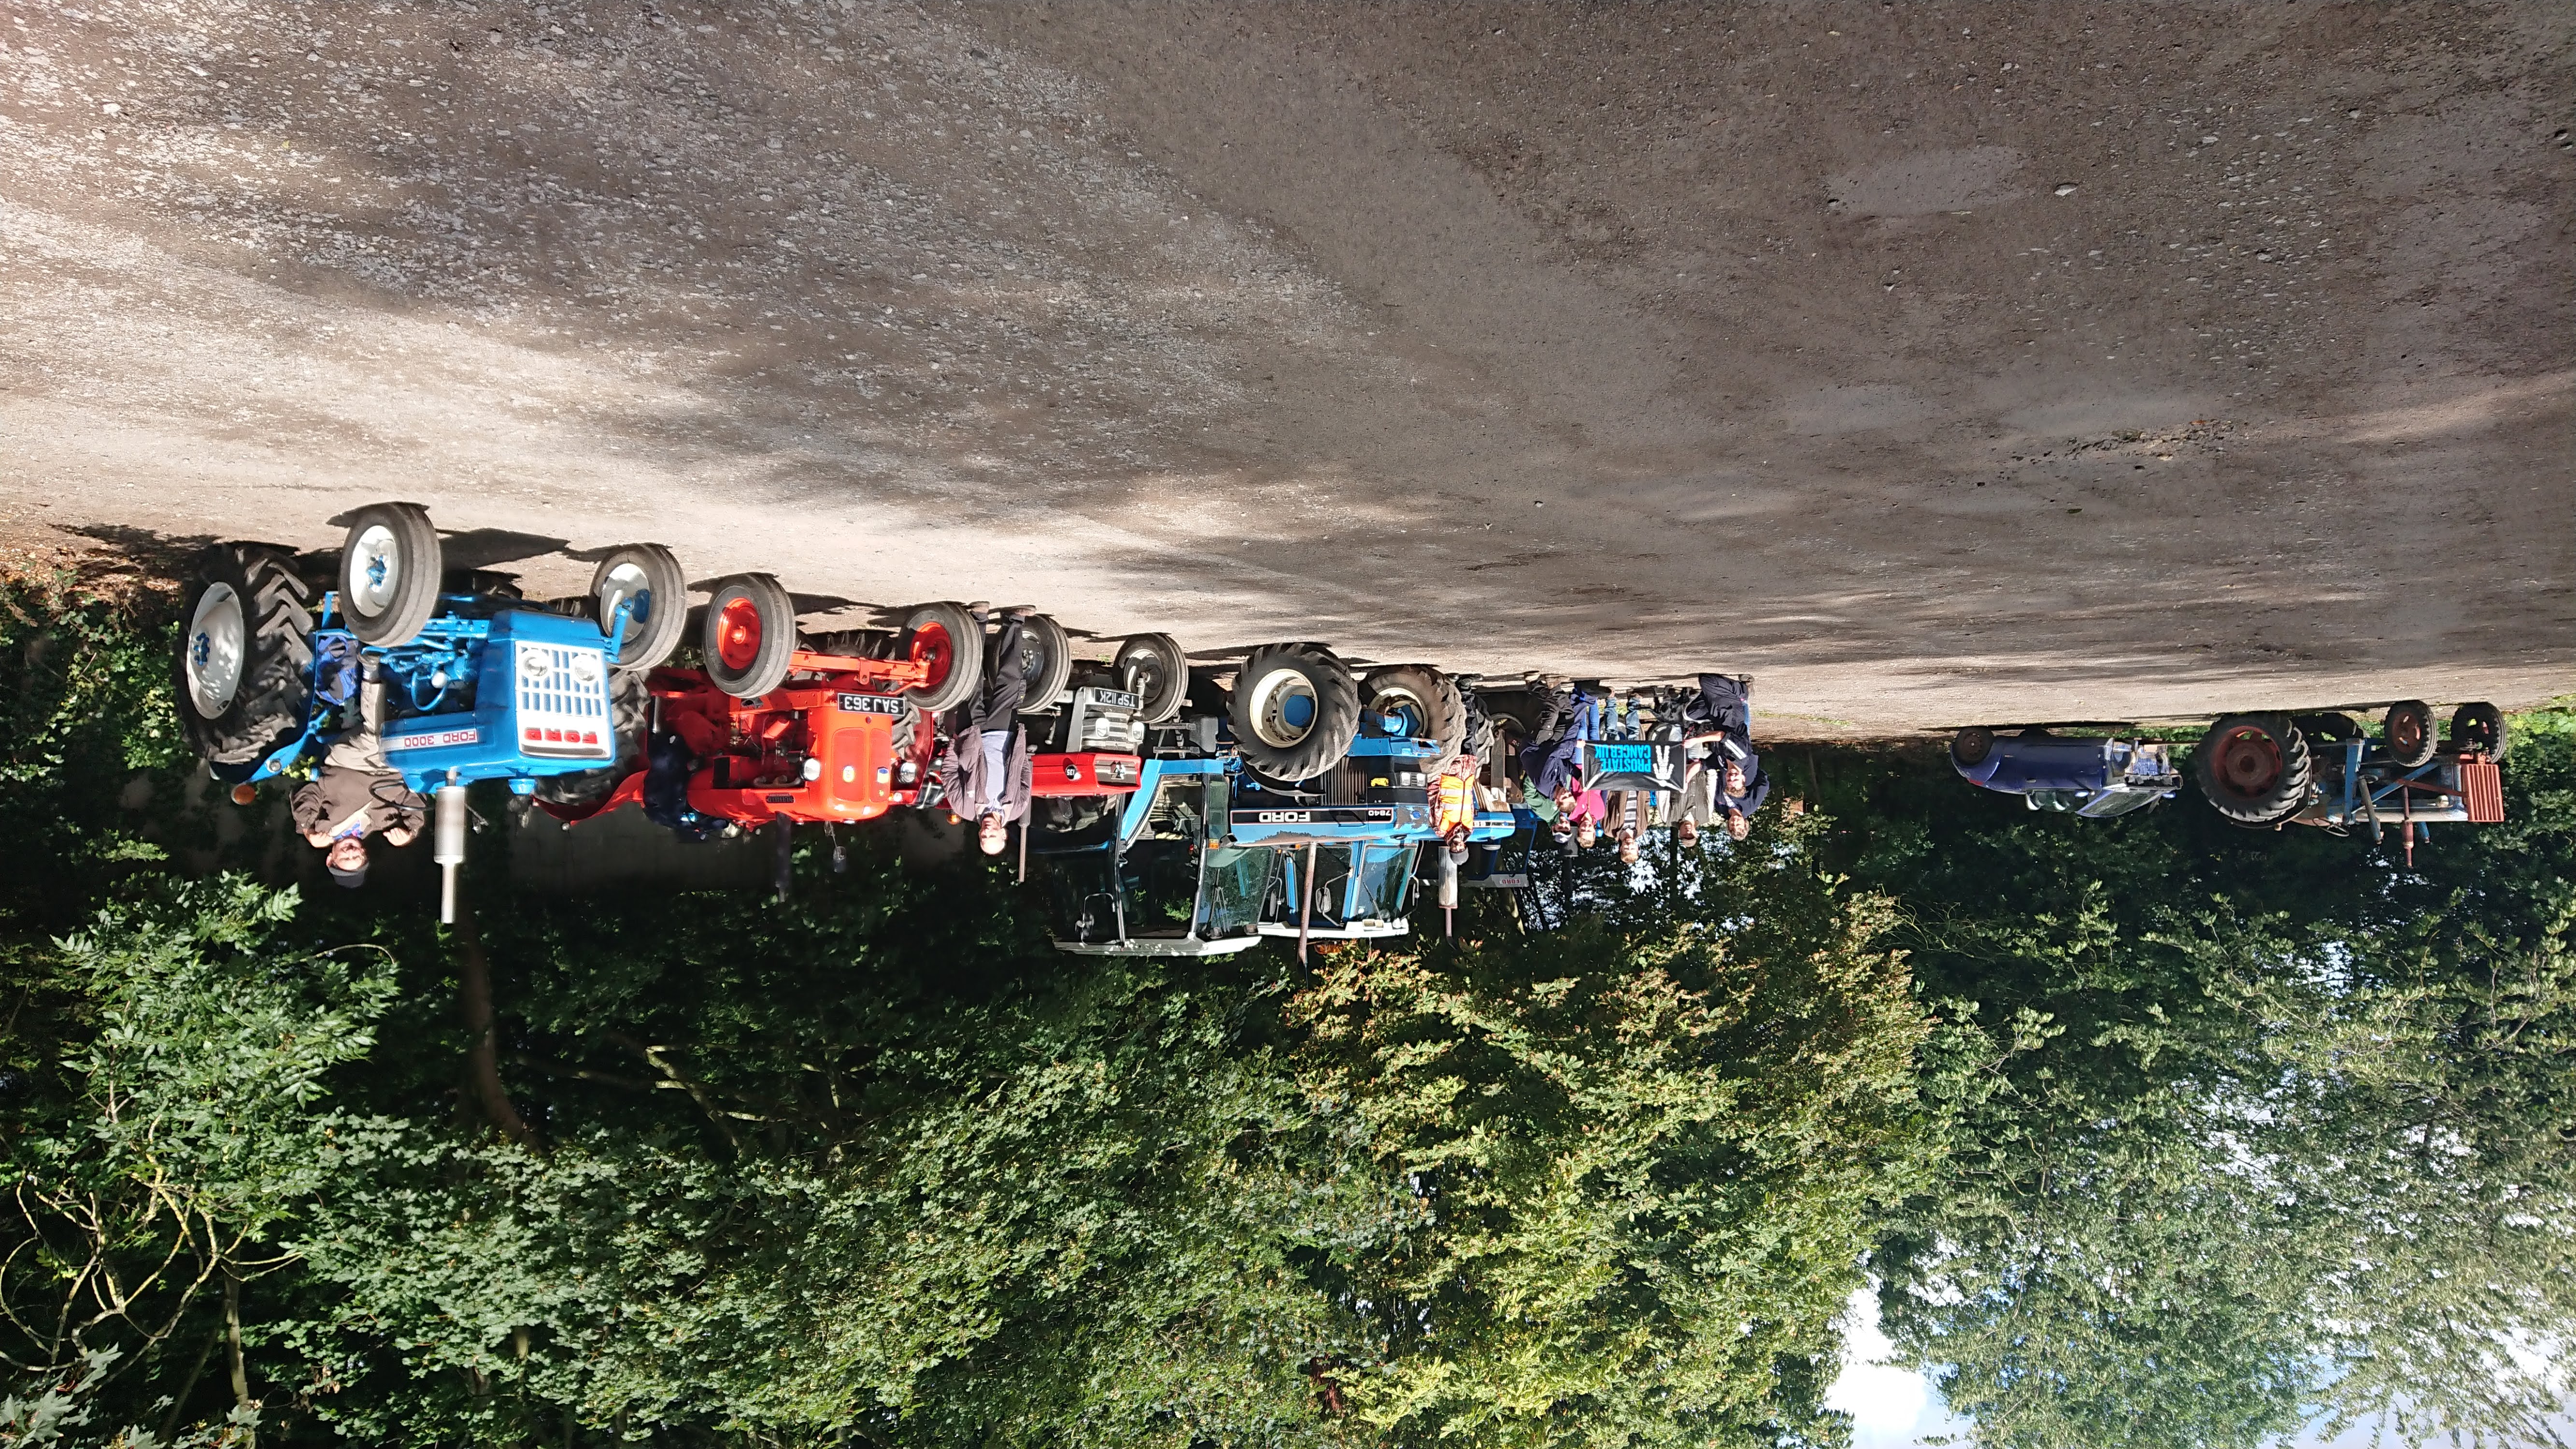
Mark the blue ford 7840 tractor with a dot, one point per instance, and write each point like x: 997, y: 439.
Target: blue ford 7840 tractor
x: 468, y: 686
x: 1234, y: 795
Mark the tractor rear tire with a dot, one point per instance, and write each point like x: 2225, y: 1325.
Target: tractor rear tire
x: 2480, y: 727
x: 243, y: 666
x: 1970, y: 746
x: 2254, y: 769
x: 1046, y: 662
x: 389, y: 572
x: 1162, y: 674
x: 1513, y: 711
x: 658, y: 616
x: 2406, y: 735
x: 1263, y: 704
x: 1482, y: 736
x: 750, y: 635
x: 580, y: 794
x: 947, y: 633
x: 1426, y: 699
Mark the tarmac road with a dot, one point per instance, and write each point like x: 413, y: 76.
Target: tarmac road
x: 1933, y: 363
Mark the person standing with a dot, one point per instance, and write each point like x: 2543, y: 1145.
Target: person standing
x: 1728, y: 786
x: 354, y: 793
x: 986, y: 773
x: 1552, y: 759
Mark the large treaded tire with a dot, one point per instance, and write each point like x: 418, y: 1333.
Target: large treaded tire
x: 2406, y: 734
x: 1426, y: 697
x: 1512, y: 712
x: 630, y: 706
x: 750, y: 635
x: 1162, y: 674
x: 1278, y: 749
x: 943, y: 630
x: 1046, y: 662
x: 2481, y: 727
x: 270, y: 696
x: 2254, y: 769
x: 399, y: 537
x: 659, y: 616
x: 1482, y: 737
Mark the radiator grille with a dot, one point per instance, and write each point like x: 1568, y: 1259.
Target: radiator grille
x: 563, y: 703
x: 2482, y: 791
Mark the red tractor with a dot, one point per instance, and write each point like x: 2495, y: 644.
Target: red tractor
x: 774, y: 733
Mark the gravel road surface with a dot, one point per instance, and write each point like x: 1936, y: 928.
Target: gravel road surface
x: 1935, y: 363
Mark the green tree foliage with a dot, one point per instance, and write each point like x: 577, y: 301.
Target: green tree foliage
x: 2155, y: 1133
x: 81, y: 713
x: 2249, y: 1129
x: 1637, y: 1175
x: 198, y: 1123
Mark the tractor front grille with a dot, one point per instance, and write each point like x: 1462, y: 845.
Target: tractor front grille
x: 2482, y: 791
x: 563, y: 702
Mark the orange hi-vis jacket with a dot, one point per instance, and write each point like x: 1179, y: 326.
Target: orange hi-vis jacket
x: 1454, y: 802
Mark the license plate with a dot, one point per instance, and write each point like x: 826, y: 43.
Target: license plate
x: 433, y: 739
x: 1114, y: 699
x: 869, y: 704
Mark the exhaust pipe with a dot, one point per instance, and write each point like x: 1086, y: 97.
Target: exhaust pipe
x: 449, y: 848
x: 1448, y: 894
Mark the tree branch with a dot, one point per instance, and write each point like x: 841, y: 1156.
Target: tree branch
x: 483, y: 1054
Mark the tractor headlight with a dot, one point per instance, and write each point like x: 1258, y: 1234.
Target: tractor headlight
x: 534, y: 666
x: 586, y: 669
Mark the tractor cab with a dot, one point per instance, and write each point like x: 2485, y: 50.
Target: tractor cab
x: 1153, y: 874
x: 1351, y: 892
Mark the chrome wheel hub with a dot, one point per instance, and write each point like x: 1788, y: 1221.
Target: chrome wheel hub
x: 218, y: 635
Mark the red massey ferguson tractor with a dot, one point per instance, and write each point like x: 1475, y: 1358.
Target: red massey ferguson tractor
x: 770, y: 732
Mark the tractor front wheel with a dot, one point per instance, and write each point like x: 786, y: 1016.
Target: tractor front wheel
x: 945, y: 637
x: 1294, y: 709
x: 244, y: 660
x: 648, y: 582
x: 2406, y: 735
x: 389, y: 569
x: 750, y: 635
x: 1046, y: 662
x: 1970, y: 746
x: 2479, y: 727
x: 2254, y: 769
x: 1154, y: 666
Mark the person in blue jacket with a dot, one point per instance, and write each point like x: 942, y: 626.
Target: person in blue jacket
x: 1549, y: 760
x: 1728, y: 786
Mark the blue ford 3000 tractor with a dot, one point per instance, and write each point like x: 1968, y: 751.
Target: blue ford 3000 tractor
x: 466, y: 686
